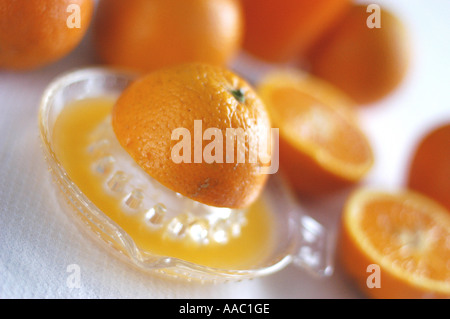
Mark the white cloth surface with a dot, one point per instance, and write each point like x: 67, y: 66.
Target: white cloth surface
x: 38, y: 241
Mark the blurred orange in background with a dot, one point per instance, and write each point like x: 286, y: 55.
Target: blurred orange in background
x: 321, y: 147
x: 150, y: 34
x: 36, y: 33
x: 277, y: 31
x: 430, y: 166
x: 396, y: 245
x: 366, y: 63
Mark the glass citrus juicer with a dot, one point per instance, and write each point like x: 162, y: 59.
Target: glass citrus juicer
x: 149, y: 225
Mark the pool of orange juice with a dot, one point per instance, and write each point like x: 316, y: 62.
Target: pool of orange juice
x: 71, y: 136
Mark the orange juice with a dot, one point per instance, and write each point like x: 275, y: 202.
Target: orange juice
x: 71, y: 139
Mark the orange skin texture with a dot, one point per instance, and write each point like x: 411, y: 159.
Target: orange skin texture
x: 278, y: 31
x: 365, y: 63
x: 147, y: 113
x: 354, y: 260
x: 35, y: 33
x: 430, y: 167
x: 149, y: 34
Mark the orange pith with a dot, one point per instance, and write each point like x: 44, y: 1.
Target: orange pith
x: 36, y: 33
x: 321, y: 145
x: 148, y: 112
x: 406, y: 234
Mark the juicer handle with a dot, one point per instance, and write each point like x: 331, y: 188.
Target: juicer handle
x: 313, y: 251
x: 312, y: 246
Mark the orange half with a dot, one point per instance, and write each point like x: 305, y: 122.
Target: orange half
x: 322, y: 147
x: 406, y: 234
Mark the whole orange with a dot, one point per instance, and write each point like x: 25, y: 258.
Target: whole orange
x: 149, y: 34
x: 430, y: 166
x: 366, y: 63
x: 36, y: 33
x: 277, y: 31
x: 178, y: 99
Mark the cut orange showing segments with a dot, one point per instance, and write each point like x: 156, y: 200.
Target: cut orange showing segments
x: 321, y: 146
x: 405, y: 235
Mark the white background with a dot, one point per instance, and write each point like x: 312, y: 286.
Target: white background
x: 38, y: 240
